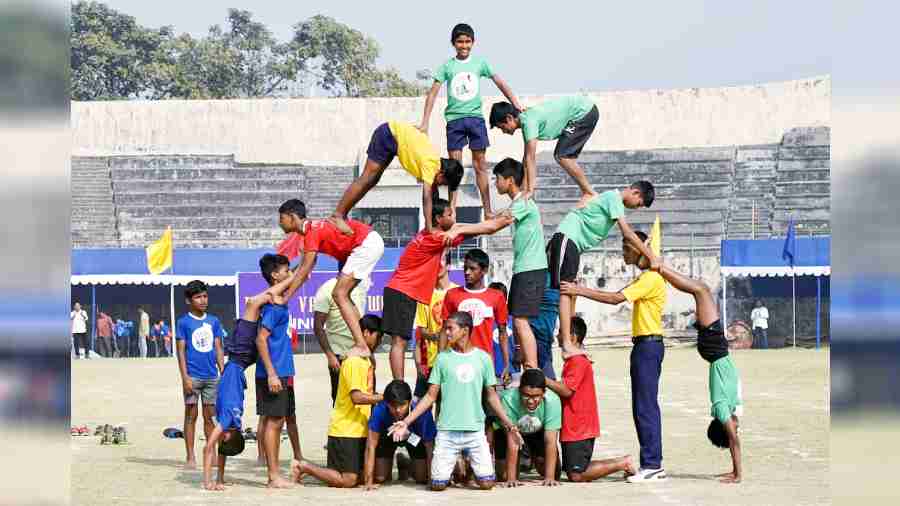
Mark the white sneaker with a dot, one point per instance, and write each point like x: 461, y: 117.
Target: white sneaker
x: 645, y: 475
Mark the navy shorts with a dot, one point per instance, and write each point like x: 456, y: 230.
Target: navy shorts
x: 471, y: 131
x: 383, y: 146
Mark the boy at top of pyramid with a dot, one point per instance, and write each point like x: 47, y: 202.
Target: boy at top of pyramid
x: 465, y: 119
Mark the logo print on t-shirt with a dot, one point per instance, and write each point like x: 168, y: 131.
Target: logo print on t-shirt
x: 465, y: 373
x: 529, y: 424
x: 478, y: 309
x: 464, y: 86
x: 202, y: 338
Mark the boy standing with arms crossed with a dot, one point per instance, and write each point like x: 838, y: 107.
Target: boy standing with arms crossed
x: 200, y: 360
x: 465, y: 119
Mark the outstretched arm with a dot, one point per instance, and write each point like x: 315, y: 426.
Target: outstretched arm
x: 560, y: 388
x: 529, y: 160
x: 429, y: 105
x: 487, y: 227
x: 629, y: 235
x: 613, y: 298
x: 426, y: 205
x: 507, y: 92
x: 361, y: 398
x: 301, y: 274
x: 734, y: 445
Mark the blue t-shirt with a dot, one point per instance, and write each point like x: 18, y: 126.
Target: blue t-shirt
x: 199, y: 335
x: 230, y: 396
x: 498, y: 351
x: 276, y: 319
x: 381, y: 420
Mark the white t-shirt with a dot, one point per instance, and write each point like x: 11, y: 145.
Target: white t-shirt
x: 79, y: 321
x: 760, y: 317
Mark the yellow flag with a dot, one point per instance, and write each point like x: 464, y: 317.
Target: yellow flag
x: 656, y: 237
x: 159, y: 254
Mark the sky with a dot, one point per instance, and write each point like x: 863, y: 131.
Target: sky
x: 537, y: 49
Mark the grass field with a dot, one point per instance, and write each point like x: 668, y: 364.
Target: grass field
x: 784, y: 431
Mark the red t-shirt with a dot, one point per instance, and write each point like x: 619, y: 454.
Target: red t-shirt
x: 323, y: 237
x: 418, y: 268
x: 487, y: 307
x: 580, y: 418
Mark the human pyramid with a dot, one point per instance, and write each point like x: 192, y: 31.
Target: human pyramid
x: 468, y: 422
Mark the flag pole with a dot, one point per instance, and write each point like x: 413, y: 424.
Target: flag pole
x: 172, y: 296
x: 794, y: 297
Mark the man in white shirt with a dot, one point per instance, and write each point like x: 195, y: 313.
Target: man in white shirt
x: 79, y: 319
x: 143, y: 332
x: 332, y: 332
x: 760, y: 318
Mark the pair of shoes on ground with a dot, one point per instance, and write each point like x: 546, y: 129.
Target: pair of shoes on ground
x: 647, y: 475
x: 80, y: 430
x: 113, y: 435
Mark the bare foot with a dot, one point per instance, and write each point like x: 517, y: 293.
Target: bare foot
x: 214, y: 486
x: 279, y: 483
x: 298, y: 470
x: 630, y: 469
x: 731, y: 479
x: 585, y: 199
x: 341, y: 224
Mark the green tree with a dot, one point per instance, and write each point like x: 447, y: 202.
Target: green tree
x: 113, y: 57
x: 343, y: 60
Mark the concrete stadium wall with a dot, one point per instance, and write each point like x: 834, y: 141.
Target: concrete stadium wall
x: 336, y: 131
x: 215, y: 170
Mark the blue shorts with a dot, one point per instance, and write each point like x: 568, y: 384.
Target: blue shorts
x: 471, y: 131
x: 544, y: 328
x: 383, y: 146
x: 230, y: 397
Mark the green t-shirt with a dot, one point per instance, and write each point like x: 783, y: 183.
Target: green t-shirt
x: 463, y: 79
x: 547, y: 120
x: 548, y: 415
x: 462, y: 377
x: 587, y: 226
x: 528, y: 237
x: 724, y: 390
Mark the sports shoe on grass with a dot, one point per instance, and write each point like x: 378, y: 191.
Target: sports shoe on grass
x: 645, y: 475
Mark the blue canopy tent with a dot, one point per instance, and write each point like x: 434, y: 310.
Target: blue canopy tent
x: 215, y: 267
x: 761, y: 258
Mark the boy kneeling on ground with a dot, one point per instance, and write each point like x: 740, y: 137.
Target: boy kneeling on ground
x: 348, y: 430
x: 381, y: 445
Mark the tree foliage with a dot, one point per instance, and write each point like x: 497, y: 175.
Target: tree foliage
x: 113, y: 57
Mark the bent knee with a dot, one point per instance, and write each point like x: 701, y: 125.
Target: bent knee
x: 576, y: 477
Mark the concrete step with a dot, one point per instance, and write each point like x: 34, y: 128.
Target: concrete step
x: 206, y: 236
x: 207, y: 185
x: 682, y: 191
x: 623, y: 181
x: 805, y: 153
x: 273, y: 198
x: 654, y: 155
x: 211, y: 222
x: 807, y: 164
x: 641, y: 170
x: 807, y: 188
x: 233, y: 173
x: 812, y: 176
x: 199, y: 210
x: 171, y: 162
x: 802, y: 202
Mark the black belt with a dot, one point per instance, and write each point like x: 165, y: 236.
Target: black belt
x: 651, y: 338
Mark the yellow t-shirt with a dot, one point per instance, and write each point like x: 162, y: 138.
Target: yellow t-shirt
x: 348, y: 419
x: 648, y: 294
x: 415, y: 152
x: 429, y: 318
